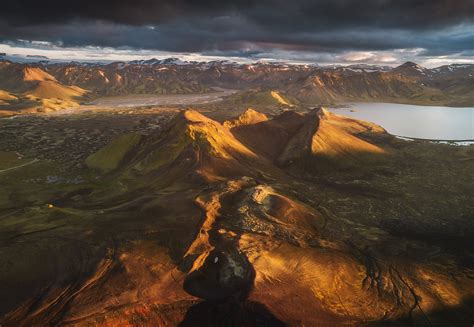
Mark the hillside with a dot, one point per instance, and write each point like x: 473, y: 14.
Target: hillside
x: 246, y: 145
x: 193, y: 146
x: 121, y: 78
x: 308, y: 141
x: 31, y: 89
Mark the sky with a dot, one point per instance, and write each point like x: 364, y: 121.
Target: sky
x: 382, y: 32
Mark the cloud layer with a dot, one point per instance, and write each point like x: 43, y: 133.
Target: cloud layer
x: 250, y: 28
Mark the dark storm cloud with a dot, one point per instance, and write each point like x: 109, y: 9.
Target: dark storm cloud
x: 245, y: 26
x: 275, y: 13
x: 134, y: 12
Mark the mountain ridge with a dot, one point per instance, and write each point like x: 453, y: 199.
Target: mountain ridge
x: 274, y: 84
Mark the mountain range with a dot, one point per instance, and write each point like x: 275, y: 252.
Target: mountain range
x: 308, y: 84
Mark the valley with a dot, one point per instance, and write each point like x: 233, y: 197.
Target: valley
x: 147, y: 100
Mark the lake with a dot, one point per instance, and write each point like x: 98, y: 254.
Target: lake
x: 423, y: 122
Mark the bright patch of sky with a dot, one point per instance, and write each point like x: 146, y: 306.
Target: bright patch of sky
x: 21, y: 49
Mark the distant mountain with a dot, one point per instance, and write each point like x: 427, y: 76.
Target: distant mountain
x: 167, y: 61
x: 411, y: 69
x: 37, y: 57
x: 140, y: 77
x: 408, y: 83
x: 311, y: 84
x: 263, y: 97
x: 28, y: 88
x: 308, y: 85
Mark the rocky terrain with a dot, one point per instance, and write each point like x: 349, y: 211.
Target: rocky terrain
x: 297, y: 218
x: 69, y: 139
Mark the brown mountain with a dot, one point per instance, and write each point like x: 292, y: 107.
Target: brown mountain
x: 261, y: 84
x: 307, y: 141
x: 408, y: 83
x: 31, y: 88
x: 123, y: 78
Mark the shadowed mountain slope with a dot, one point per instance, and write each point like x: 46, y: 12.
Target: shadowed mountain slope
x: 309, y: 140
x: 191, y: 145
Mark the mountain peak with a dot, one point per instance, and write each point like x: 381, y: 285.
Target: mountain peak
x: 411, y: 64
x: 411, y: 69
x: 321, y: 112
x: 248, y: 117
x: 36, y: 74
x: 194, y: 116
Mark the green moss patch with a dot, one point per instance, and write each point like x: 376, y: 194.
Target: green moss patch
x: 109, y: 157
